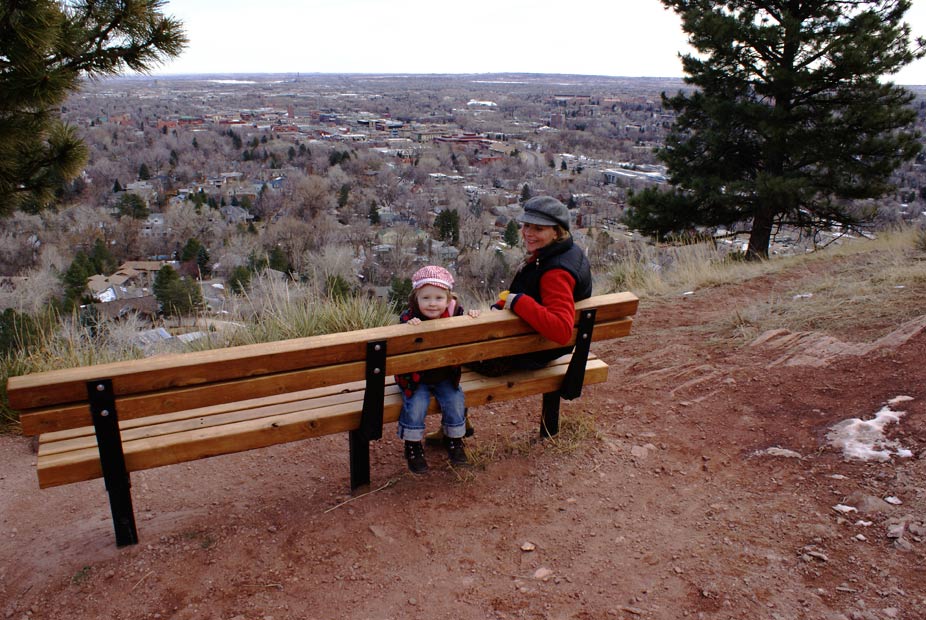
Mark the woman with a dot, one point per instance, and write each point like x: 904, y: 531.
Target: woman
x: 553, y: 276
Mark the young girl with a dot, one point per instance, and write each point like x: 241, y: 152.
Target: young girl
x: 432, y: 298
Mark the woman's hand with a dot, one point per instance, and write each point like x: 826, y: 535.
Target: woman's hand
x: 502, y: 301
x: 505, y: 300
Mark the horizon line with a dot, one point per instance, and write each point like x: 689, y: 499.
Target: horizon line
x: 410, y: 73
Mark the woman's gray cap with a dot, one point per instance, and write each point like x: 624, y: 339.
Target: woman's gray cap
x: 545, y: 211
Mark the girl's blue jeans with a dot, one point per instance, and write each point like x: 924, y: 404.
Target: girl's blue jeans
x: 415, y: 407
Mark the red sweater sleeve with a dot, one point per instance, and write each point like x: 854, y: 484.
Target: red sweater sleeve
x: 555, y: 319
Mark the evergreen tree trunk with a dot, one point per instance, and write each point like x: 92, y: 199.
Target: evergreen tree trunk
x: 761, y: 234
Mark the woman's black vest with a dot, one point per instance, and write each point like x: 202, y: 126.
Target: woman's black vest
x: 559, y: 255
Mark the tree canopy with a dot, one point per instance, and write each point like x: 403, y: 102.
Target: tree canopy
x: 194, y: 251
x: 132, y: 205
x: 447, y: 224
x: 46, y: 48
x: 791, y: 121
x: 512, y: 233
x: 176, y: 295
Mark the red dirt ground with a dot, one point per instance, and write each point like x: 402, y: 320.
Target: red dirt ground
x: 671, y: 510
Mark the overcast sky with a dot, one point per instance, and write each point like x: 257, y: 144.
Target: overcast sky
x: 589, y: 37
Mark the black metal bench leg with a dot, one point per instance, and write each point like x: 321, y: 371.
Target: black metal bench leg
x: 549, y: 425
x: 371, y: 418
x: 112, y: 460
x: 359, y: 460
x: 120, y: 502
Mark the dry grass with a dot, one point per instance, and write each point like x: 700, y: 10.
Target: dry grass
x: 864, y: 288
x: 860, y: 286
x: 575, y: 431
x: 278, y: 310
x: 654, y: 271
x: 285, y: 312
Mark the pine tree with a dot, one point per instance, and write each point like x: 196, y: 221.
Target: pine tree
x: 47, y: 47
x: 101, y: 258
x: 336, y: 287
x: 202, y: 261
x: 177, y: 296
x: 447, y: 224
x: 512, y: 233
x: 132, y: 205
x: 343, y: 196
x: 194, y: 251
x: 790, y: 121
x: 277, y: 259
x: 400, y: 289
x: 75, y: 278
x: 239, y: 279
x: 190, y: 249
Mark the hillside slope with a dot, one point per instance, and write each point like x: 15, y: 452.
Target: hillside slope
x: 699, y: 482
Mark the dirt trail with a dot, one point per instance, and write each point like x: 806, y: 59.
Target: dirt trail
x: 706, y: 489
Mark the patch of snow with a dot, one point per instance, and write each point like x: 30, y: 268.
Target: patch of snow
x: 776, y: 451
x: 864, y: 439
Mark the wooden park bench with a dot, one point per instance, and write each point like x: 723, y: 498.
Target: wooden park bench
x: 112, y: 419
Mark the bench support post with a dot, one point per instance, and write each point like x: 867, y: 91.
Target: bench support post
x: 549, y: 424
x: 371, y: 418
x: 571, y: 387
x: 112, y: 460
x: 359, y: 460
x: 575, y: 374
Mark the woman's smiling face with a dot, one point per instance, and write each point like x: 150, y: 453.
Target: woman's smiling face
x: 536, y: 236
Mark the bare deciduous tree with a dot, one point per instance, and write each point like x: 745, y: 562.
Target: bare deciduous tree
x: 311, y: 196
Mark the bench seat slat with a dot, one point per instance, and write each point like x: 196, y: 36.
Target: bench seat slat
x: 172, y: 443
x: 205, y: 367
x: 183, y: 421
x: 154, y: 420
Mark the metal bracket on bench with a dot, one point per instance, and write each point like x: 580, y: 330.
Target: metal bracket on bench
x: 371, y: 418
x: 575, y: 374
x: 112, y: 459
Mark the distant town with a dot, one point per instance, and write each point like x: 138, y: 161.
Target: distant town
x: 346, y: 180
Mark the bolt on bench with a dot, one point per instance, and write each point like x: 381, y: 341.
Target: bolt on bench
x: 112, y: 419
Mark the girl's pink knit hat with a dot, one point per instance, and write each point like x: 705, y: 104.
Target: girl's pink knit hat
x: 433, y: 275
